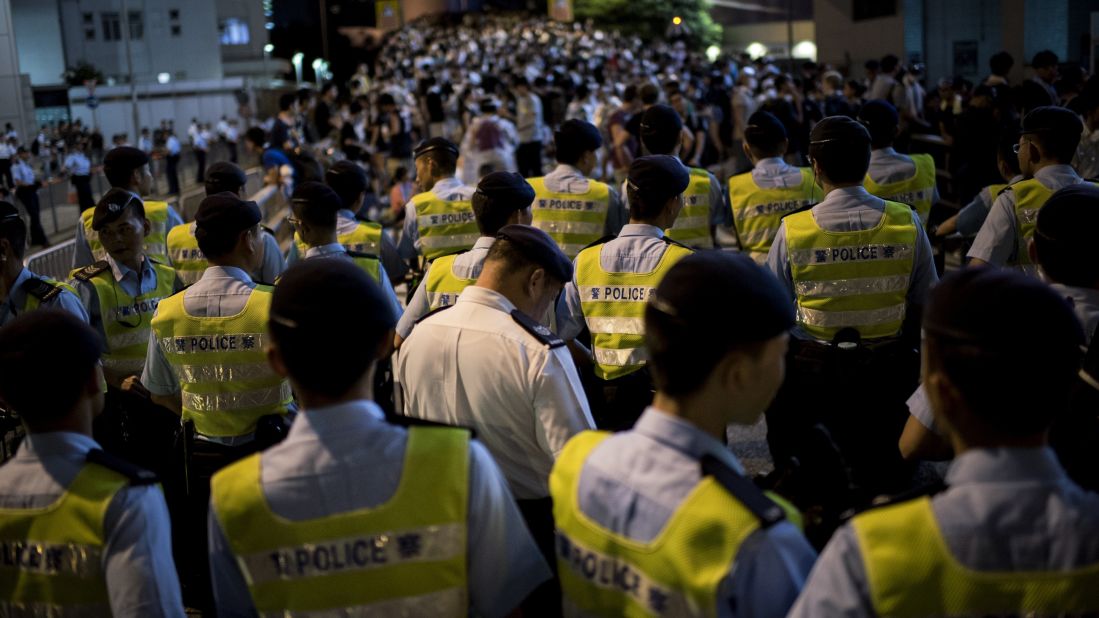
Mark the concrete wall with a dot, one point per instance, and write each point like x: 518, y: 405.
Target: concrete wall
x: 771, y: 34
x: 38, y: 38
x: 841, y: 41
x: 949, y: 22
x: 13, y: 93
x: 178, y: 101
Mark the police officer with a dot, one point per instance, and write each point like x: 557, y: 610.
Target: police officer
x: 26, y: 189
x: 20, y: 289
x: 909, y: 179
x: 121, y: 292
x: 430, y: 527
x: 970, y: 218
x: 675, y: 465
x: 79, y: 169
x: 487, y: 363
x: 772, y: 189
x: 703, y: 200
x: 127, y: 168
x: 314, y: 207
x: 573, y: 209
x: 188, y: 260
x: 1011, y: 534
x: 612, y: 281
x: 438, y: 220
x: 502, y: 198
x: 1047, y: 142
x: 81, y: 532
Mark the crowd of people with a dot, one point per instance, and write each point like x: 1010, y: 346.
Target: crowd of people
x: 539, y: 424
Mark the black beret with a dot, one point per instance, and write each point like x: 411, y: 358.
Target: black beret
x: 124, y: 158
x: 764, y: 128
x: 317, y: 195
x: 839, y: 129
x: 347, y: 178
x: 226, y: 213
x: 718, y: 287
x: 1052, y: 119
x: 1070, y: 216
x: 539, y: 248
x: 661, y: 120
x: 500, y: 190
x: 111, y: 207
x: 361, y: 301
x: 579, y: 133
x: 659, y: 176
x: 435, y: 143
x: 878, y: 113
x: 224, y: 176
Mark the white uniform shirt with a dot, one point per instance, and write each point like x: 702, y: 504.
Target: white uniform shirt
x: 466, y: 265
x: 473, y: 365
x: 450, y: 189
x: 775, y: 173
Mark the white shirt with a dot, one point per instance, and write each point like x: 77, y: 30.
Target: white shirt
x: 775, y: 173
x: 473, y: 365
x: 173, y: 145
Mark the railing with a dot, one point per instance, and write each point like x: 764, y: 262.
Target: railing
x: 54, y: 262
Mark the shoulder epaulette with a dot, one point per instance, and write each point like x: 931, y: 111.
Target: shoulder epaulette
x: 136, y: 474
x: 672, y: 241
x: 267, y: 229
x: 92, y: 270
x: 905, y: 496
x: 536, y: 328
x: 799, y: 210
x: 41, y: 289
x: 408, y: 421
x: 362, y: 254
x: 601, y: 241
x: 745, y: 491
x: 433, y: 312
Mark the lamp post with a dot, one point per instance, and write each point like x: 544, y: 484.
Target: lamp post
x: 297, y: 59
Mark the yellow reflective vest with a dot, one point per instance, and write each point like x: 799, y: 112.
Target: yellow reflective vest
x: 852, y: 279
x: 187, y: 258
x: 445, y: 226
x: 614, y: 309
x: 692, y: 226
x: 156, y: 243
x: 405, y: 557
x: 52, y: 557
x: 917, y: 191
x: 221, y: 365
x: 911, y: 572
x: 441, y: 284
x: 43, y: 292
x: 758, y: 212
x: 126, y: 319
x: 572, y: 220
x: 366, y: 238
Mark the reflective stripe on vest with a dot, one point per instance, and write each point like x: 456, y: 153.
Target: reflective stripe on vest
x: 1030, y: 196
x: 203, y: 352
x: 692, y: 226
x: 676, y: 574
x: 445, y: 226
x: 366, y: 238
x: 187, y: 258
x: 916, y: 191
x: 852, y: 279
x: 441, y: 284
x: 51, y: 557
x: 127, y: 319
x: 614, y: 309
x: 156, y: 243
x: 572, y: 220
x: 406, y: 556
x: 758, y: 212
x: 911, y: 572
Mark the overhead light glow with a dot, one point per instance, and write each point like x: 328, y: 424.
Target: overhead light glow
x: 712, y: 52
x: 163, y: 78
x: 806, y: 49
x: 756, y: 49
x: 677, y: 20
x: 268, y: 48
x: 297, y: 58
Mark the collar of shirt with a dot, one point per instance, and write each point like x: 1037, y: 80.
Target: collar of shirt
x: 334, y: 420
x: 489, y: 298
x: 325, y: 250
x: 56, y: 443
x: 772, y: 165
x: 483, y: 243
x: 446, y: 185
x: 121, y: 271
x: 226, y: 272
x: 1057, y: 176
x: 888, y: 151
x: 641, y: 229
x: 683, y: 436
x: 846, y: 197
x: 1016, y: 178
x: 997, y: 465
x: 564, y: 170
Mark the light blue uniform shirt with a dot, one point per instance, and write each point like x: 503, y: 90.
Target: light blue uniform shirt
x: 21, y: 172
x: 466, y: 265
x: 273, y: 263
x: 638, y: 249
x: 567, y: 179
x: 82, y: 256
x: 347, y: 457
x: 776, y: 173
x: 338, y: 251
x: 17, y: 299
x: 77, y: 164
x: 972, y: 217
x: 345, y: 224
x: 634, y: 482
x: 852, y: 209
x: 1004, y: 510
x: 137, y: 556
x: 450, y: 189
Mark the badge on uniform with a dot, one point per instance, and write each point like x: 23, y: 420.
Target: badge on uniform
x: 539, y: 330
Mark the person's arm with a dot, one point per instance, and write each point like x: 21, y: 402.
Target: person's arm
x: 921, y: 439
x: 387, y: 290
x: 619, y: 137
x: 969, y: 220
x: 406, y: 249
x: 67, y: 301
x: 159, y: 379
x: 719, y: 210
x: 417, y: 308
x: 616, y: 213
x: 391, y: 260
x: 273, y: 263
x: 569, y: 313
x: 560, y: 405
x: 292, y: 255
x: 173, y: 218
x: 996, y: 238
x: 771, y: 568
x: 137, y: 557
x: 778, y: 262
x: 837, y: 584
x: 231, y: 596
x: 82, y: 251
x: 924, y: 275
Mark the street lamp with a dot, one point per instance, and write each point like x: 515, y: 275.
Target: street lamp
x: 296, y: 60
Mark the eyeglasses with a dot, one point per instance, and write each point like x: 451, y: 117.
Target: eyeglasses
x: 294, y: 221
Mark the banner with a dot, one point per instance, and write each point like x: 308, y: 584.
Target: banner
x: 561, y: 10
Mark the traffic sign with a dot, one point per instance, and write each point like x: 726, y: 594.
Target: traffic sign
x: 91, y: 102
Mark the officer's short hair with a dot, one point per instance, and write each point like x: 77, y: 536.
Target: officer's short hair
x: 1005, y: 151
x: 286, y: 101
x: 1000, y: 63
x: 1064, y: 237
x: 649, y: 93
x: 889, y: 62
x: 840, y: 149
x: 446, y: 161
x: 47, y: 357
x: 256, y: 136
x: 1044, y: 59
x: 13, y: 229
x: 503, y: 250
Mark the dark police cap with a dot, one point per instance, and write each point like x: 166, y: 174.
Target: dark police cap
x: 226, y: 213
x: 224, y: 176
x: 361, y: 301
x: 112, y: 206
x: 1070, y: 216
x: 660, y: 176
x: 124, y: 158
x: 579, y: 132
x: 347, y: 178
x: 503, y: 189
x: 718, y: 287
x: 1052, y: 119
x: 539, y: 248
x: 433, y: 144
x: 839, y: 129
x: 661, y: 120
x: 1002, y: 312
x: 317, y: 195
x: 764, y: 128
x: 879, y: 113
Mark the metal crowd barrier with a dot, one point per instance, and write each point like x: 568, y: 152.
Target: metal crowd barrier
x: 54, y: 262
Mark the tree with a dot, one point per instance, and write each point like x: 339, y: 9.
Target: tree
x: 652, y: 19
x: 83, y: 71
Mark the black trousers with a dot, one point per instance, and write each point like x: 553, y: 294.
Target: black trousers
x: 200, y: 159
x: 83, y: 186
x: 5, y: 173
x: 28, y: 196
x: 538, y: 515
x: 528, y: 156
x: 172, y: 170
x: 232, y: 151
